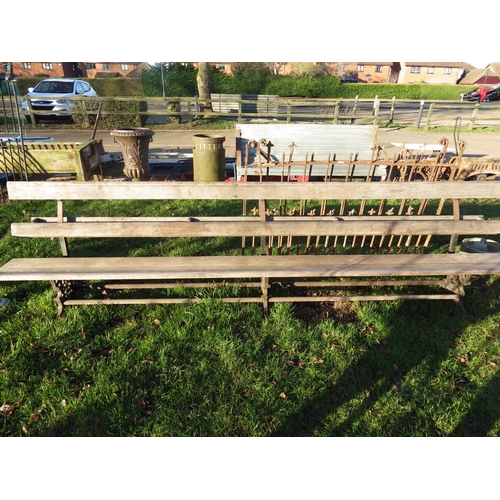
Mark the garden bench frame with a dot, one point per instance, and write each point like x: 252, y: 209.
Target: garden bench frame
x: 331, y: 248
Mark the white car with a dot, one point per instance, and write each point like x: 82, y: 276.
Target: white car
x: 51, y: 94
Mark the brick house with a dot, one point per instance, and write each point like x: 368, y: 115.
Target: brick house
x: 48, y: 69
x: 373, y: 72
x: 370, y: 72
x: 433, y: 72
x: 108, y: 69
x: 72, y: 69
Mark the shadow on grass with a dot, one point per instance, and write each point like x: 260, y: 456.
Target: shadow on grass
x: 407, y: 370
x: 393, y: 389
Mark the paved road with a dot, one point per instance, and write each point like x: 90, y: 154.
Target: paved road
x: 477, y: 144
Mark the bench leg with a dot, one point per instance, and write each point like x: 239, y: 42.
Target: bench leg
x: 456, y: 285
x: 264, y: 286
x: 63, y: 289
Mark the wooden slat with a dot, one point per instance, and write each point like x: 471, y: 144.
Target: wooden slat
x: 256, y: 227
x: 229, y: 218
x: 251, y: 191
x: 282, y: 266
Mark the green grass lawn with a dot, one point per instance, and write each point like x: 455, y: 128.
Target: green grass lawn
x: 416, y: 368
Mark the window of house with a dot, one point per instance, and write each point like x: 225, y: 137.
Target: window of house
x: 27, y: 65
x: 90, y: 65
x: 361, y: 68
x: 430, y: 70
x: 447, y: 71
x: 106, y: 67
x: 342, y: 67
x: 124, y: 67
x: 46, y: 65
x: 378, y: 69
x: 222, y: 67
x: 415, y: 69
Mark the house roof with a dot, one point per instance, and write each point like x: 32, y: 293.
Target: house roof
x: 434, y: 64
x: 107, y: 74
x: 471, y: 78
x: 371, y: 63
x: 136, y: 72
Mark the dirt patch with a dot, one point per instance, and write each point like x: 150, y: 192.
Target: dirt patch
x: 339, y: 311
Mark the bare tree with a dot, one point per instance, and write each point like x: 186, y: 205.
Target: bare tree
x: 240, y: 68
x: 309, y: 69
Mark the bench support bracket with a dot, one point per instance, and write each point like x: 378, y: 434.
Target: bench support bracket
x: 64, y: 289
x: 455, y: 284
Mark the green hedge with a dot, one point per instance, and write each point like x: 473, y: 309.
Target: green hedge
x: 131, y: 119
x: 105, y: 87
x: 180, y: 81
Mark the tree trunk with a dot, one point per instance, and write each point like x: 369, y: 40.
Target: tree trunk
x: 203, y: 81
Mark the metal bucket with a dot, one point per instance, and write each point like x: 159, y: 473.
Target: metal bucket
x: 479, y: 245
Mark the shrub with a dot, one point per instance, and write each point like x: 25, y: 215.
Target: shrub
x: 178, y: 81
x: 129, y: 119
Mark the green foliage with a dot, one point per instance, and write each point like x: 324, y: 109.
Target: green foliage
x: 178, y: 80
x: 383, y: 91
x: 25, y: 83
x: 242, y: 68
x: 105, y: 87
x: 221, y: 83
x: 291, y: 86
x: 112, y: 87
x: 124, y: 114
x: 124, y: 120
x: 174, y: 107
x: 444, y: 92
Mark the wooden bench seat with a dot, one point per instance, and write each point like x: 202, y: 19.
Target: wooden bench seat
x: 248, y: 266
x: 312, y: 237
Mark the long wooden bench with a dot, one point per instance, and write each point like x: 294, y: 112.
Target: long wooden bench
x: 275, y: 242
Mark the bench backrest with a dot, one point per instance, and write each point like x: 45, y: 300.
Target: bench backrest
x: 275, y: 216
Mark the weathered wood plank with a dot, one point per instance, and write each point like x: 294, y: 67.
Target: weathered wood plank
x: 223, y: 218
x: 251, y: 190
x: 255, y: 227
x: 255, y: 266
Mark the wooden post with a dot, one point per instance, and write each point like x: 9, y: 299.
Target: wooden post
x: 474, y: 116
x: 376, y: 106
x: 429, y: 114
x: 393, y: 105
x: 420, y: 111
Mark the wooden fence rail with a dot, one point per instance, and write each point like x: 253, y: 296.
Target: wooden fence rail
x: 422, y: 114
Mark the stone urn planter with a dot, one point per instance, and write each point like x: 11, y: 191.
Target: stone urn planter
x: 134, y: 143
